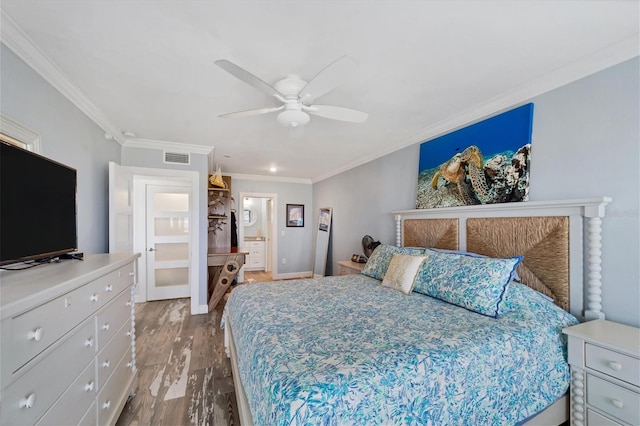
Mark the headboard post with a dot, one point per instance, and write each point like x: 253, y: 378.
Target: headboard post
x: 398, y: 230
x: 594, y: 260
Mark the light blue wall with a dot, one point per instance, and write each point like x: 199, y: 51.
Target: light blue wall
x: 67, y: 136
x: 296, y: 245
x: 586, y: 138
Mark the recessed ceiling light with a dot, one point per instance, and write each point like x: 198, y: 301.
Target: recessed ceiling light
x: 273, y: 170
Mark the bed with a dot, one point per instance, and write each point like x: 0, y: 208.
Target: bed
x: 362, y: 349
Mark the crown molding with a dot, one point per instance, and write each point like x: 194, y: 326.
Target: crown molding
x: 25, y: 48
x: 167, y: 146
x: 606, y: 58
x: 264, y: 178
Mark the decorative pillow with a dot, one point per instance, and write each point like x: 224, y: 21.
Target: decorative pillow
x: 514, y: 275
x: 377, y: 265
x: 402, y: 272
x: 474, y: 283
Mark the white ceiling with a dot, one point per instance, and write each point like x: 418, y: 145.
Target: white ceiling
x: 424, y: 67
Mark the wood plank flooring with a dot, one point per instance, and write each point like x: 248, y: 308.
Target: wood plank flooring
x: 184, y: 375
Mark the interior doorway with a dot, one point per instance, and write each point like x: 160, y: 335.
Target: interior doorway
x: 257, y: 232
x: 128, y: 226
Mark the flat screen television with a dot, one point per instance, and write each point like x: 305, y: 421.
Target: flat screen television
x: 37, y: 206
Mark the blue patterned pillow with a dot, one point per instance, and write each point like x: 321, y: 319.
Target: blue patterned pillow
x: 474, y: 283
x: 514, y: 274
x: 378, y: 263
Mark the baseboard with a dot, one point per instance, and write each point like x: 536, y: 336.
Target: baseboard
x: 292, y: 275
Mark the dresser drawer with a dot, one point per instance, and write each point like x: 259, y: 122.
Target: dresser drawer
x: 26, y: 335
x: 613, y: 364
x: 117, y: 281
x: 114, y: 393
x: 111, y: 354
x: 620, y: 402
x: 72, y: 405
x: 111, y: 318
x: 30, y: 396
x: 595, y: 419
x: 90, y: 417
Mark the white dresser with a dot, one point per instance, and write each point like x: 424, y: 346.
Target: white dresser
x: 256, y: 258
x: 605, y: 373
x: 68, y: 341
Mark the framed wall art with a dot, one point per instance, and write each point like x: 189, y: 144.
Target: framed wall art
x: 295, y: 215
x: 485, y: 163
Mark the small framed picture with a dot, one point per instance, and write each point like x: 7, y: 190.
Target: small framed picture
x: 295, y: 215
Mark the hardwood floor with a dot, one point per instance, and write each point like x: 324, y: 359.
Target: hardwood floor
x: 184, y: 375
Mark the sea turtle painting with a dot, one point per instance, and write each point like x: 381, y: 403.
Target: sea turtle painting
x: 492, y: 168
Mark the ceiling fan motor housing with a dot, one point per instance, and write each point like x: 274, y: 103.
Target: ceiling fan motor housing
x: 290, y: 87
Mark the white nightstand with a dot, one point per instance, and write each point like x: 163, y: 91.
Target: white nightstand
x: 348, y: 267
x: 605, y: 373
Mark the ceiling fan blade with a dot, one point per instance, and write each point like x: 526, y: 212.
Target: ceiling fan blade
x: 338, y: 113
x: 328, y: 79
x: 251, y: 112
x: 247, y: 77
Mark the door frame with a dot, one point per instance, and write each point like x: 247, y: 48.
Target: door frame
x: 273, y: 246
x: 142, y: 176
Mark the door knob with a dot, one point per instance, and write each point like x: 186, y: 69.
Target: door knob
x: 152, y: 249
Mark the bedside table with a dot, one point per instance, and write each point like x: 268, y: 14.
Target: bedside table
x: 348, y: 267
x: 605, y: 373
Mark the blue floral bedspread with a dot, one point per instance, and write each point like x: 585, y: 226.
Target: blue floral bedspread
x: 347, y: 351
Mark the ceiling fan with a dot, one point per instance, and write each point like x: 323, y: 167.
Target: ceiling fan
x: 297, y: 95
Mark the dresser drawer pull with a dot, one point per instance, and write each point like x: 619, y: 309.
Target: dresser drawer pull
x: 129, y: 333
x: 106, y: 364
x: 130, y: 364
x: 105, y: 326
x: 614, y: 365
x: 106, y: 405
x: 89, y: 342
x: 617, y: 403
x: 28, y: 401
x: 89, y: 386
x: 128, y: 302
x: 35, y: 334
x: 94, y: 298
x: 109, y: 288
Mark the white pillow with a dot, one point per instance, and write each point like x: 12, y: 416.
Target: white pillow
x: 402, y: 272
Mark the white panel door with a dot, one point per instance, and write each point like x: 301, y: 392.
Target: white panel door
x: 168, y: 241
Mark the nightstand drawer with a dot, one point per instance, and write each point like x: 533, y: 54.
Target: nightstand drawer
x: 613, y: 364
x: 613, y: 399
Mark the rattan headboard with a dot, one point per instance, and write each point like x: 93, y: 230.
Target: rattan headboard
x: 548, y: 234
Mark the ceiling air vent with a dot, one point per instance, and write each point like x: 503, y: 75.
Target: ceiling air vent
x: 176, y: 158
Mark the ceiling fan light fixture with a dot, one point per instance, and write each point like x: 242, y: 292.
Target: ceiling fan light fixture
x: 293, y: 118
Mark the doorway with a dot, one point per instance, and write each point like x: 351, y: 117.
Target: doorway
x: 257, y: 232
x: 179, y: 234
